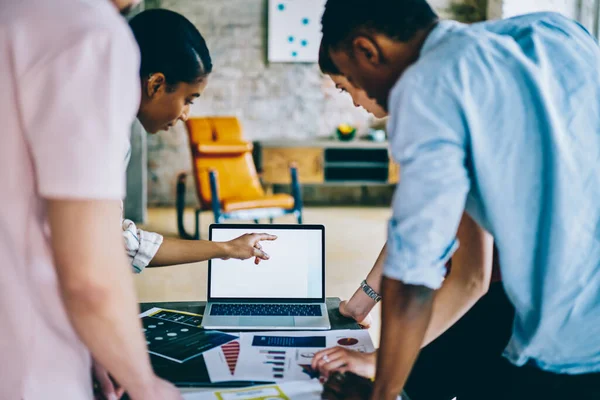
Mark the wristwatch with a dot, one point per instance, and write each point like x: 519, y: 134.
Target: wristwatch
x: 370, y: 292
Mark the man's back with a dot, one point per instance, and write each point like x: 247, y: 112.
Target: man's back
x: 520, y: 98
x: 47, y: 152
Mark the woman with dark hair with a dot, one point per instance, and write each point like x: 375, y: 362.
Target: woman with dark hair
x: 175, y: 67
x: 174, y: 71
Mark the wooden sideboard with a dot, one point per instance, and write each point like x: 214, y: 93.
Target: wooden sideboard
x: 321, y: 162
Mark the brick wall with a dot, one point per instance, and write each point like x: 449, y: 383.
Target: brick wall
x: 272, y: 100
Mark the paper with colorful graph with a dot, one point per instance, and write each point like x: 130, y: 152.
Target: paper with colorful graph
x: 278, y: 356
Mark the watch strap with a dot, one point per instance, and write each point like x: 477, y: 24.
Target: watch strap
x: 370, y: 292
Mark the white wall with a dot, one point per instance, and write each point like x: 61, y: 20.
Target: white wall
x: 516, y: 7
x: 587, y: 12
x: 589, y: 15
x: 510, y: 8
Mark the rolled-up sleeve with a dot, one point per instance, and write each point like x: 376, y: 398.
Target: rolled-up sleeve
x: 428, y: 140
x: 141, y: 246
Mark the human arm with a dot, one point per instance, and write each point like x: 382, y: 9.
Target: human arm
x: 360, y: 305
x: 177, y: 251
x: 429, y: 139
x: 98, y: 293
x: 467, y: 282
x: 149, y: 249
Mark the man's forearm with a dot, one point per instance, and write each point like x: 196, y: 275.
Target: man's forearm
x: 468, y: 281
x: 451, y: 303
x: 406, y: 313
x: 178, y: 251
x: 106, y: 321
x: 97, y: 289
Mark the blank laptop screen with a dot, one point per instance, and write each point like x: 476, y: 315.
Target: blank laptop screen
x: 294, y: 271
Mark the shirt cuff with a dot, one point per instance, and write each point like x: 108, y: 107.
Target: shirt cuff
x: 141, y: 246
x: 149, y: 244
x: 411, y: 269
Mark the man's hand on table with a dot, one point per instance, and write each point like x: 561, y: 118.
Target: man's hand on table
x: 105, y: 388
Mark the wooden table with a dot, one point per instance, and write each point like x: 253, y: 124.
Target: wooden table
x: 326, y: 162
x: 337, y: 320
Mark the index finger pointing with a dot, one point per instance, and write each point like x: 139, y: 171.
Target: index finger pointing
x: 265, y: 236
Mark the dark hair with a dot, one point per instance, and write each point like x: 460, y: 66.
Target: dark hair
x: 325, y: 62
x: 399, y: 19
x: 169, y: 43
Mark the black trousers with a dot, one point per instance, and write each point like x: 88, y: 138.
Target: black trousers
x: 460, y: 361
x: 466, y: 362
x: 528, y: 383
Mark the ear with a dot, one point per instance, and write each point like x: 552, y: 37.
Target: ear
x: 365, y: 50
x: 155, y: 84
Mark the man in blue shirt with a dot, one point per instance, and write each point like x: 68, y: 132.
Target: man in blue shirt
x: 501, y: 120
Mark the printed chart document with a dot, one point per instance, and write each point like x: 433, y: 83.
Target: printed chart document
x: 278, y: 356
x: 176, y: 335
x: 286, y: 391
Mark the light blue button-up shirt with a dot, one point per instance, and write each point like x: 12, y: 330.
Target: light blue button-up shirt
x: 503, y: 119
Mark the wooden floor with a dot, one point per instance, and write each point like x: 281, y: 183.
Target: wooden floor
x: 354, y: 237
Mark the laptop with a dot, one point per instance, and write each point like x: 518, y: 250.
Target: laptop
x: 286, y: 292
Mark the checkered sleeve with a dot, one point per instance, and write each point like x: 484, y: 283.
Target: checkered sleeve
x: 141, y: 246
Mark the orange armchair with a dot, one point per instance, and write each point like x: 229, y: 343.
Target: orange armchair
x: 226, y: 178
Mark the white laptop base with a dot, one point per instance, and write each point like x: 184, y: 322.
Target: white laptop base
x: 264, y: 323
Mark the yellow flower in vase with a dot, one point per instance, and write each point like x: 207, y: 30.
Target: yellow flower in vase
x: 346, y: 132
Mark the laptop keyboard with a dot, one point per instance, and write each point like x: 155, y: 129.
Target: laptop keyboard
x: 295, y: 310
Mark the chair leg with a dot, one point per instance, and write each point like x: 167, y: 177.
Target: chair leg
x: 214, y: 194
x: 217, y: 217
x: 296, y: 192
x: 197, y: 231
x: 180, y: 205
